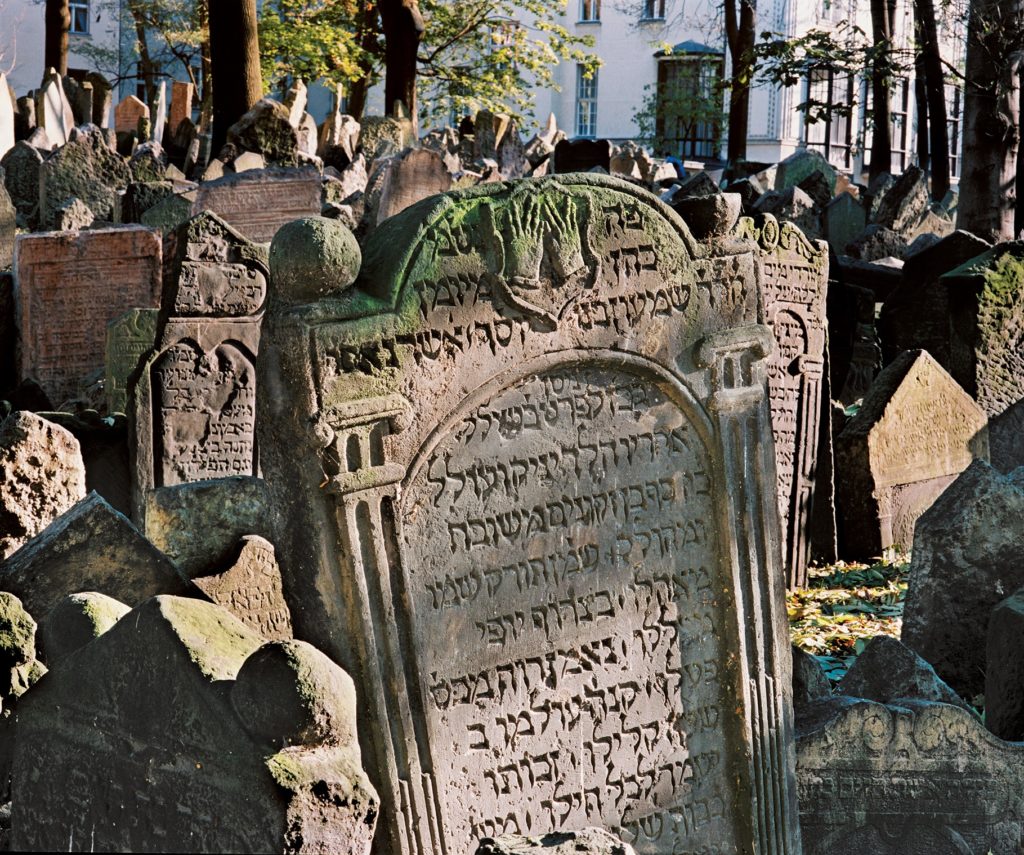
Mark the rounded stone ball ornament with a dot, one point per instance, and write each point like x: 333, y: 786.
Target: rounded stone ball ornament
x: 313, y: 258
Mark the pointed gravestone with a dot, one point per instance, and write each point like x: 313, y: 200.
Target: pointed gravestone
x: 237, y: 747
x: 794, y: 283
x: 6, y: 117
x: 530, y: 431
x: 90, y: 547
x: 102, y: 97
x: 195, y: 400
x: 127, y: 114
x: 72, y: 284
x: 915, y: 432
x: 182, y: 94
x: 53, y: 112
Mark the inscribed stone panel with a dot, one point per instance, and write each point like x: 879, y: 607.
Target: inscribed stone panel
x: 794, y: 282
x: 129, y: 338
x: 68, y: 287
x: 259, y: 201
x: 528, y: 424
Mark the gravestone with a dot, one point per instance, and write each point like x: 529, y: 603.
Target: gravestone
x: 53, y: 112
x: 75, y: 621
x: 6, y: 117
x: 863, y: 360
x: 967, y: 554
x: 843, y: 220
x: 794, y: 283
x: 258, y: 202
x: 41, y: 477
x: 69, y: 286
x: 159, y: 113
x: 514, y: 452
x: 251, y: 590
x: 1004, y: 674
x: 181, y: 105
x: 914, y: 433
x: 21, y: 178
x: 129, y: 338
x: 8, y: 226
x: 582, y: 155
x: 986, y: 307
x: 915, y: 778
x: 195, y: 399
x: 414, y: 175
x: 589, y: 841
x: 90, y: 547
x: 178, y: 730
x: 102, y: 97
x: 127, y: 114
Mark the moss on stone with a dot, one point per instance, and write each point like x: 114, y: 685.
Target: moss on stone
x: 217, y: 642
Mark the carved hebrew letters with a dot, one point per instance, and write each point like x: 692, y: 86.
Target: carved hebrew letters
x: 571, y: 620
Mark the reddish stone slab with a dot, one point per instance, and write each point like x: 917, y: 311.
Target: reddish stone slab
x: 68, y: 287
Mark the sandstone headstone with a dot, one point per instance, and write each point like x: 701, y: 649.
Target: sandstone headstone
x: 248, y: 160
x: 85, y: 168
x: 223, y: 510
x: 251, y: 590
x: 794, y: 284
x: 295, y: 100
x: 915, y: 432
x: 414, y: 175
x: 53, y: 112
x: 582, y: 155
x: 967, y: 554
x: 915, y: 778
x: 257, y: 203
x: 792, y: 205
x: 265, y: 130
x: 128, y: 113
x: 843, y: 219
x: 8, y: 226
x: 102, y: 93
x: 91, y: 547
x: 523, y: 536
x: 489, y: 130
x: 129, y: 338
x: 590, y: 841
x: 801, y: 165
x: 41, y: 476
x: 904, y: 203
x: 1004, y: 676
x: 70, y: 286
x: 181, y: 105
x: 75, y: 621
x: 21, y: 178
x: 148, y: 162
x: 263, y: 741
x: 6, y: 117
x: 195, y: 400
x: 72, y: 215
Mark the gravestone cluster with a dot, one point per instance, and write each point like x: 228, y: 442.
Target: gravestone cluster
x: 362, y: 492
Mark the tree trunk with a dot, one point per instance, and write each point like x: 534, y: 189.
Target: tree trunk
x: 147, y: 69
x: 988, y: 203
x: 58, y: 25
x: 921, y: 101
x: 935, y: 90
x: 740, y: 34
x: 206, y: 96
x: 403, y: 29
x: 357, y: 97
x: 881, y: 85
x: 235, y: 61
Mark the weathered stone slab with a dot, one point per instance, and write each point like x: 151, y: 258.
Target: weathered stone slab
x: 8, y: 226
x: 21, y: 178
x: 129, y: 338
x: 582, y: 155
x: 41, y: 476
x: 592, y: 841
x: 843, y: 219
x: 258, y: 202
x: 265, y: 739
x: 251, y: 590
x: 513, y: 451
x: 6, y: 117
x: 415, y: 175
x: 53, y: 111
x: 1004, y: 675
x: 69, y: 287
x: 194, y: 400
x: 91, y: 547
x: 182, y: 94
x: 102, y: 98
x: 915, y: 778
x: 915, y: 432
x: 127, y: 114
x: 75, y: 621
x: 222, y: 510
x: 794, y: 284
x: 265, y: 130
x: 968, y: 552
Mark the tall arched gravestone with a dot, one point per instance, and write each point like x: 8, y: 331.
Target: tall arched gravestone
x: 794, y: 284
x: 194, y: 397
x: 525, y: 478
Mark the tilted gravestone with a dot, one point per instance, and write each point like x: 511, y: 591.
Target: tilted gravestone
x: 195, y: 397
x: 520, y: 454
x: 129, y: 338
x: 21, y: 178
x: 258, y: 202
x: 179, y: 730
x: 794, y: 282
x: 910, y: 778
x: 53, y: 111
x: 68, y: 286
x: 915, y: 432
x: 8, y: 226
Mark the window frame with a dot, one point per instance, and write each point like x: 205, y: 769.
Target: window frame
x: 78, y: 8
x: 590, y: 12
x: 654, y: 10
x: 694, y: 139
x: 586, y: 99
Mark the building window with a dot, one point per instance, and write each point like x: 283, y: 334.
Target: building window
x: 590, y: 10
x: 899, y: 137
x: 654, y: 10
x: 586, y: 103
x: 689, y: 119
x: 828, y: 102
x: 79, y: 16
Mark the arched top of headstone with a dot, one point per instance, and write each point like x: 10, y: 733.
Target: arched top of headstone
x: 543, y: 239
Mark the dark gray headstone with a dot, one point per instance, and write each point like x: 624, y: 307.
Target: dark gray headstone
x: 1004, y: 674
x: 581, y: 155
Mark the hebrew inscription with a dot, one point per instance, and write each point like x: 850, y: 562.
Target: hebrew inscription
x: 570, y: 617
